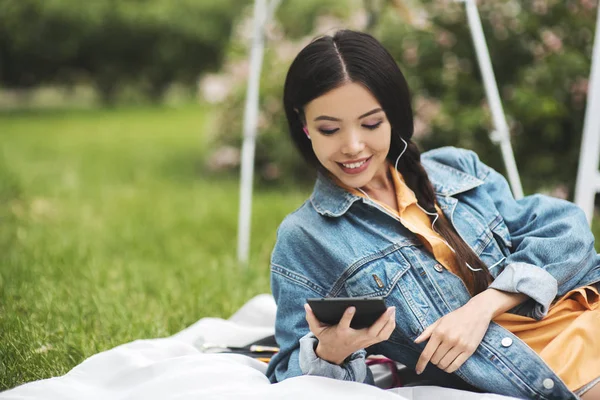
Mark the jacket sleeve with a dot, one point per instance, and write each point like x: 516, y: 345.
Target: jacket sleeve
x: 552, y: 244
x: 297, y: 344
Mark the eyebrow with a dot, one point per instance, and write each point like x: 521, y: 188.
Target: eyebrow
x: 328, y: 118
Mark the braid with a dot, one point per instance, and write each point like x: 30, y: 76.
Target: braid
x: 416, y: 179
x: 415, y: 176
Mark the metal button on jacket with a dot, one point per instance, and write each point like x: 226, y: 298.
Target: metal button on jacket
x: 438, y: 268
x: 506, y: 342
x: 548, y: 383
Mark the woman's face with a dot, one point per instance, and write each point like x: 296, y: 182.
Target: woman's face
x: 350, y: 134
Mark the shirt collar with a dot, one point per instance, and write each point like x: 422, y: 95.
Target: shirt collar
x: 331, y: 200
x: 404, y: 195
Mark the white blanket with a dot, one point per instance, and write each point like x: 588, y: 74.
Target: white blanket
x: 175, y: 368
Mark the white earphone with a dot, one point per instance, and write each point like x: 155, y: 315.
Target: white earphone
x: 305, y: 129
x: 425, y: 211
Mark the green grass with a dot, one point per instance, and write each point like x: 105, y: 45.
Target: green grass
x: 111, y: 232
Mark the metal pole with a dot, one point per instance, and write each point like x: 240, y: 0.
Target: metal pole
x: 588, y: 176
x: 501, y: 133
x: 250, y: 121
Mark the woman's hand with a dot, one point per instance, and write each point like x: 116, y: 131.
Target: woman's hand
x: 336, y: 342
x: 454, y: 337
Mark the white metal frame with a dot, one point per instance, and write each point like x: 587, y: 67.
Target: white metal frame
x: 501, y: 134
x: 263, y: 12
x: 588, y: 175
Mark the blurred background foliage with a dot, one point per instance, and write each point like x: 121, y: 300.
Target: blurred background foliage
x: 140, y: 49
x: 540, y: 51
x: 109, y: 44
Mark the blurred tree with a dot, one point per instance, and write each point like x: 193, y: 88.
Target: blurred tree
x: 540, y: 51
x: 299, y: 18
x: 147, y: 43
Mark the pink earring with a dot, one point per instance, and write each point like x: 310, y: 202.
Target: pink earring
x: 306, y: 131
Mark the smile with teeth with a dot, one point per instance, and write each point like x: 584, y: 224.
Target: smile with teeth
x: 357, y: 165
x: 354, y: 165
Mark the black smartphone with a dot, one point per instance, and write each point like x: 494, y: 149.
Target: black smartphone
x: 329, y: 310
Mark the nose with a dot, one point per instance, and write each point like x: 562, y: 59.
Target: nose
x: 353, y: 143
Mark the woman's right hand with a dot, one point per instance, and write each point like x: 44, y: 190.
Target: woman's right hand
x: 336, y: 342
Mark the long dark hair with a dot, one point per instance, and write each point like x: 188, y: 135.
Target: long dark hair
x: 348, y: 56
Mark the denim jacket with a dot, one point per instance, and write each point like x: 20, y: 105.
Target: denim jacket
x: 338, y: 244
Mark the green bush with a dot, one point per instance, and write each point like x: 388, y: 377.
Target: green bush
x: 149, y: 44
x: 541, y: 55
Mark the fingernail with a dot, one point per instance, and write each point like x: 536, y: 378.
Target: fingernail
x: 418, y: 372
x: 351, y: 310
x: 391, y: 311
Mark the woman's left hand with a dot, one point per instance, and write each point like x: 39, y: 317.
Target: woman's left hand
x: 454, y: 337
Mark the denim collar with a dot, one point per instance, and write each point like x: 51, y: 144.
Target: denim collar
x: 330, y: 200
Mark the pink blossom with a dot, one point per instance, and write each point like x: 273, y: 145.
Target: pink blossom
x: 445, y: 39
x: 224, y: 158
x: 271, y: 171
x: 410, y: 55
x: 539, y: 7
x: 552, y: 41
x: 579, y: 91
x: 588, y: 4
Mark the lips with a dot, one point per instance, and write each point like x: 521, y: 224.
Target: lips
x: 356, y: 166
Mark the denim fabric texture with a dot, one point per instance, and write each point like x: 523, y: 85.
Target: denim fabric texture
x: 336, y: 243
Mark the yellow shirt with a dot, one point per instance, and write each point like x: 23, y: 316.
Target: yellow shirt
x: 416, y: 220
x: 567, y: 339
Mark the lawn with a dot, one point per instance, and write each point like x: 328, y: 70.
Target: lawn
x: 110, y: 231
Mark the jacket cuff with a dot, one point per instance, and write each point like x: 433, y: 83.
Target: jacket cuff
x: 532, y: 281
x: 354, y: 367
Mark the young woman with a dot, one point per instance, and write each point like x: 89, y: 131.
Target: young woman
x: 498, y: 292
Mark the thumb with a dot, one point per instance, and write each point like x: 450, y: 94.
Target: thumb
x: 347, y: 317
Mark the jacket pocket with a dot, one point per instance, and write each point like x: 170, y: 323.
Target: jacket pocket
x: 500, y: 231
x: 498, y: 248
x: 378, y: 277
x: 393, y: 278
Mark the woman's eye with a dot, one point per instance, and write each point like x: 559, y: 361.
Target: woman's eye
x: 374, y: 126
x: 328, y: 131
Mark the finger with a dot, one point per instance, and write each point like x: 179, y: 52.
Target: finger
x: 441, y: 352
x: 314, y: 324
x: 426, y: 355
x: 347, y: 318
x: 382, y: 324
x: 449, y: 358
x: 388, y: 328
x: 427, y: 332
x: 458, y: 362
x: 382, y: 321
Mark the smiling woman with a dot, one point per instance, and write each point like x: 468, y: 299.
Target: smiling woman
x: 438, y: 235
x: 353, y: 145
